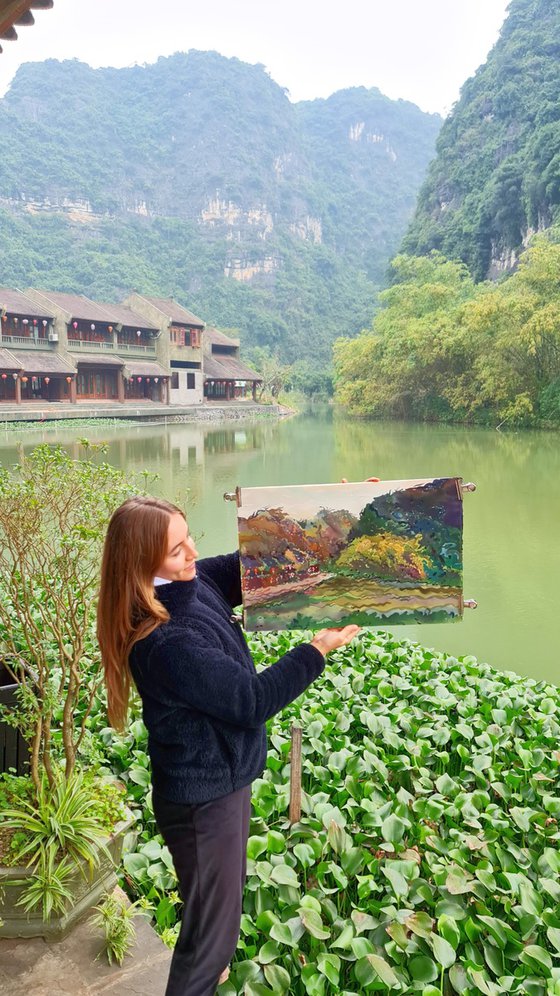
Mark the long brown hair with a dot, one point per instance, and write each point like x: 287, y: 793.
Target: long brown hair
x: 128, y: 610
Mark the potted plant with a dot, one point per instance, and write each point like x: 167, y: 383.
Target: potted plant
x: 62, y: 827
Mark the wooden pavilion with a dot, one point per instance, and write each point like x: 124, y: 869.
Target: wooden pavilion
x: 18, y: 13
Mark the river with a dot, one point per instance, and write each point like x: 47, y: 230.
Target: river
x: 512, y: 522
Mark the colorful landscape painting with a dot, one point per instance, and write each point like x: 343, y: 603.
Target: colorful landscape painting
x: 369, y: 553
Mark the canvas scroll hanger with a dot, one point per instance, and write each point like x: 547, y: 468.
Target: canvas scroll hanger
x: 376, y: 554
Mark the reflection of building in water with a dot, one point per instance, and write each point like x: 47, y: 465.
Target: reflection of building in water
x: 230, y: 440
x: 186, y: 444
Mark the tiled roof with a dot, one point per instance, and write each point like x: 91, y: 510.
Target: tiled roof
x: 143, y: 368
x: 121, y: 315
x: 8, y: 361
x: 175, y: 311
x: 217, y: 338
x: 227, y: 368
x: 80, y: 307
x: 99, y: 360
x: 16, y: 13
x: 15, y: 302
x: 35, y: 362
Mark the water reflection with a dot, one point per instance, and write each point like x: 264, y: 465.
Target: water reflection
x: 512, y: 523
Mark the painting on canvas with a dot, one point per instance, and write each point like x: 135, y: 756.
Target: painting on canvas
x: 369, y: 553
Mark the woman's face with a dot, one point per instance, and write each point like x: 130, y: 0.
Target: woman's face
x: 179, y: 564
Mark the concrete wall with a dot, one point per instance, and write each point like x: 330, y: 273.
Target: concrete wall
x: 182, y: 395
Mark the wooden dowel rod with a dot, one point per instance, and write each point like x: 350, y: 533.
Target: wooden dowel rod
x: 295, y: 776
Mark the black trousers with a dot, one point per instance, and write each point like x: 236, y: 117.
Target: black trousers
x: 208, y: 844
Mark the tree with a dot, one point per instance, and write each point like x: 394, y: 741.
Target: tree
x: 53, y: 514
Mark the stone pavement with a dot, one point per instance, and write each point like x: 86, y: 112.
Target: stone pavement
x: 32, y: 967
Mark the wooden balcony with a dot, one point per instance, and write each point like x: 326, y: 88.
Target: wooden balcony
x: 136, y: 349
x: 24, y: 342
x: 89, y: 344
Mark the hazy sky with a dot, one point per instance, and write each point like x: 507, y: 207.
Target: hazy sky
x: 304, y: 501
x: 421, y: 50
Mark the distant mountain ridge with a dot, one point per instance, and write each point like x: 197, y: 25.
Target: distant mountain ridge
x: 197, y: 177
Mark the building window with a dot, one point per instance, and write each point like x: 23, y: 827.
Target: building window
x: 190, y: 382
x: 174, y: 381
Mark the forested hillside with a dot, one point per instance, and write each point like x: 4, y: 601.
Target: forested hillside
x: 496, y: 176
x: 197, y: 177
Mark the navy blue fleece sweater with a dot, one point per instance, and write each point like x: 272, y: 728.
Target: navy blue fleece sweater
x: 204, y: 705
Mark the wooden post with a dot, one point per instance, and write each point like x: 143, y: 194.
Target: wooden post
x: 295, y: 776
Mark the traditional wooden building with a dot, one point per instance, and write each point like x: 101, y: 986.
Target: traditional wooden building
x: 67, y: 348
x: 226, y: 378
x: 136, y: 342
x: 31, y: 368
x: 113, y: 349
x: 182, y: 334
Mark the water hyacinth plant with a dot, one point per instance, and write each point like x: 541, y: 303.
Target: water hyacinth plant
x: 426, y: 859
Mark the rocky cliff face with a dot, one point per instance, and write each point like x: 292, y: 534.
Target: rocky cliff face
x: 496, y: 177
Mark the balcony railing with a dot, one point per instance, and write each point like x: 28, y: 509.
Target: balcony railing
x: 131, y: 348
x: 136, y: 347
x: 90, y: 344
x: 23, y: 342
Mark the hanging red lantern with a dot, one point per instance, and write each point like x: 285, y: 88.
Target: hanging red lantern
x: 4, y: 376
x: 68, y: 380
x: 24, y: 380
x: 34, y: 321
x: 147, y: 380
x: 4, y: 318
x: 46, y: 379
x: 74, y: 325
x: 138, y: 379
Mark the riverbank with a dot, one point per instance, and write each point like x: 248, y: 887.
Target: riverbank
x: 148, y: 412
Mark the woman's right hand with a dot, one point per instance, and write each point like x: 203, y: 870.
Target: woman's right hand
x: 326, y: 640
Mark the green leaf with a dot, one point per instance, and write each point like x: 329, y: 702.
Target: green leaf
x: 276, y: 842
x: 361, y: 947
x: 399, y: 884
x: 457, y: 881
x: 284, y: 875
x: 278, y: 978
x: 535, y: 954
x: 448, y: 929
x: 393, y: 829
x: 423, y: 969
x: 443, y: 952
x: 383, y: 970
x: 269, y: 952
x: 313, y: 923
x: 255, y: 847
x: 281, y: 932
x: 344, y: 939
x: 329, y: 965
x: 553, y: 934
x: 420, y: 923
x: 305, y: 855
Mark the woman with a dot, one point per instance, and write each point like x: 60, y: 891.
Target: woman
x: 165, y: 621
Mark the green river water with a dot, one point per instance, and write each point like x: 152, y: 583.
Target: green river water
x: 512, y: 522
